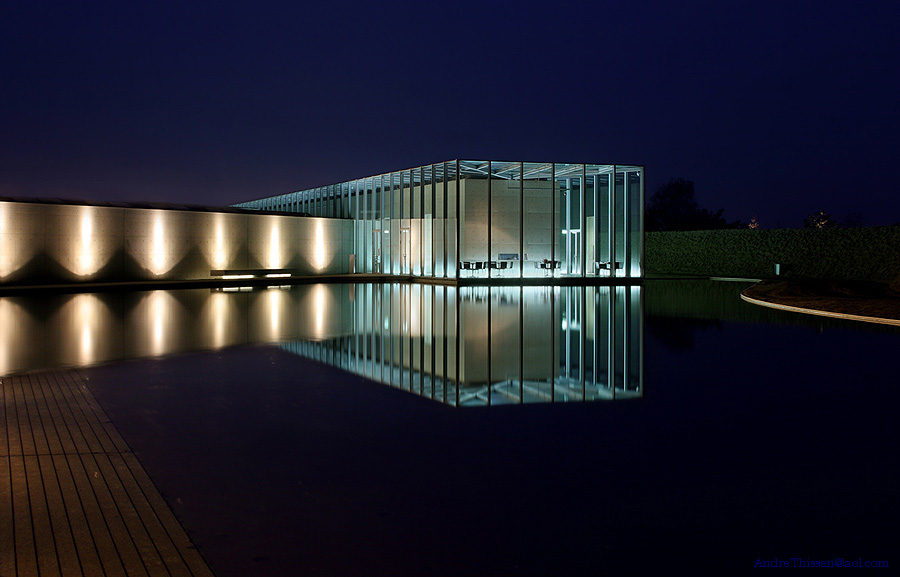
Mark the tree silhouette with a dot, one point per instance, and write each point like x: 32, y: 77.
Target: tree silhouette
x: 674, y: 206
x: 820, y: 219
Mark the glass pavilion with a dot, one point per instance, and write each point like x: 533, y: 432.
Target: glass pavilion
x: 487, y: 219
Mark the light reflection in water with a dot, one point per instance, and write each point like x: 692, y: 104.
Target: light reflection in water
x: 468, y: 346
x: 83, y: 322
x: 513, y: 344
x: 8, y: 334
x: 275, y: 298
x: 219, y: 318
x: 320, y: 310
x: 86, y: 317
x: 153, y: 326
x: 157, y: 317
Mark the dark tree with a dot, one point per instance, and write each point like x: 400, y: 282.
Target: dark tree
x: 674, y: 206
x: 820, y: 219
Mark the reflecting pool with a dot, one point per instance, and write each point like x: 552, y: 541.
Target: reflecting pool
x: 461, y: 346
x: 738, y: 433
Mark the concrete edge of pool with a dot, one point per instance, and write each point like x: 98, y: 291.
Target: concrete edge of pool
x: 820, y: 312
x: 17, y: 290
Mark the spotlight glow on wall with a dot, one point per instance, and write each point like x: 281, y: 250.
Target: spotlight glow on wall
x: 157, y: 246
x: 219, y: 257
x: 274, y: 247
x: 84, y: 264
x: 5, y: 248
x: 320, y: 246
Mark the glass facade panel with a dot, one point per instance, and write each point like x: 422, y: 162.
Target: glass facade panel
x: 439, y: 230
x: 427, y: 226
x: 488, y: 219
x: 538, y: 254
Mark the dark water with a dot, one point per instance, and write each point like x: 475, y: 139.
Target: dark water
x: 735, y: 434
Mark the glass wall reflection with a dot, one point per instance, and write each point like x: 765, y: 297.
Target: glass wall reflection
x: 464, y: 346
x: 478, y: 346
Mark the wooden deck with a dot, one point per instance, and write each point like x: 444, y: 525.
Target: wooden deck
x: 74, y: 500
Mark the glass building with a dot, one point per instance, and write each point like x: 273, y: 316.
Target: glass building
x: 487, y: 219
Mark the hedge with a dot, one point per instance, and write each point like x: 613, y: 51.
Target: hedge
x: 870, y: 253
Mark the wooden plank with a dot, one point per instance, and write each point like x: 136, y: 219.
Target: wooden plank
x: 192, y: 558
x: 4, y: 425
x: 112, y: 433
x: 96, y: 437
x: 106, y: 491
x: 63, y: 439
x: 153, y: 544
x: 66, y: 549
x: 85, y: 548
x: 13, y: 430
x: 55, y: 398
x: 93, y: 513
x: 7, y: 525
x: 73, y: 499
x: 77, y: 442
x: 26, y: 426
x: 35, y: 411
x: 49, y: 414
x: 78, y: 420
x: 44, y: 541
x: 23, y: 531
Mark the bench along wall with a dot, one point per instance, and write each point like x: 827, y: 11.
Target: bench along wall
x: 68, y: 243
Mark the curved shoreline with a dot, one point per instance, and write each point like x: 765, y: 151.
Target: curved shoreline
x: 829, y: 299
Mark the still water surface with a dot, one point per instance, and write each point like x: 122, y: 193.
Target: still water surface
x: 736, y: 433
x: 466, y: 347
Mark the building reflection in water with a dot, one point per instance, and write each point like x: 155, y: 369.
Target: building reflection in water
x: 466, y: 346
x: 493, y: 345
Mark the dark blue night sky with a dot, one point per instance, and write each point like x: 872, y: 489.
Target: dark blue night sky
x: 773, y: 108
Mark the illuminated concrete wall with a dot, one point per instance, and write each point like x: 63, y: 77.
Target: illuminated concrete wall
x: 56, y: 243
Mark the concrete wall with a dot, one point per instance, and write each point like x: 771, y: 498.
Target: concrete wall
x: 505, y: 219
x: 56, y: 243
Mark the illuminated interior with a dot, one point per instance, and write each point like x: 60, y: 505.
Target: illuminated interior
x: 466, y: 218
